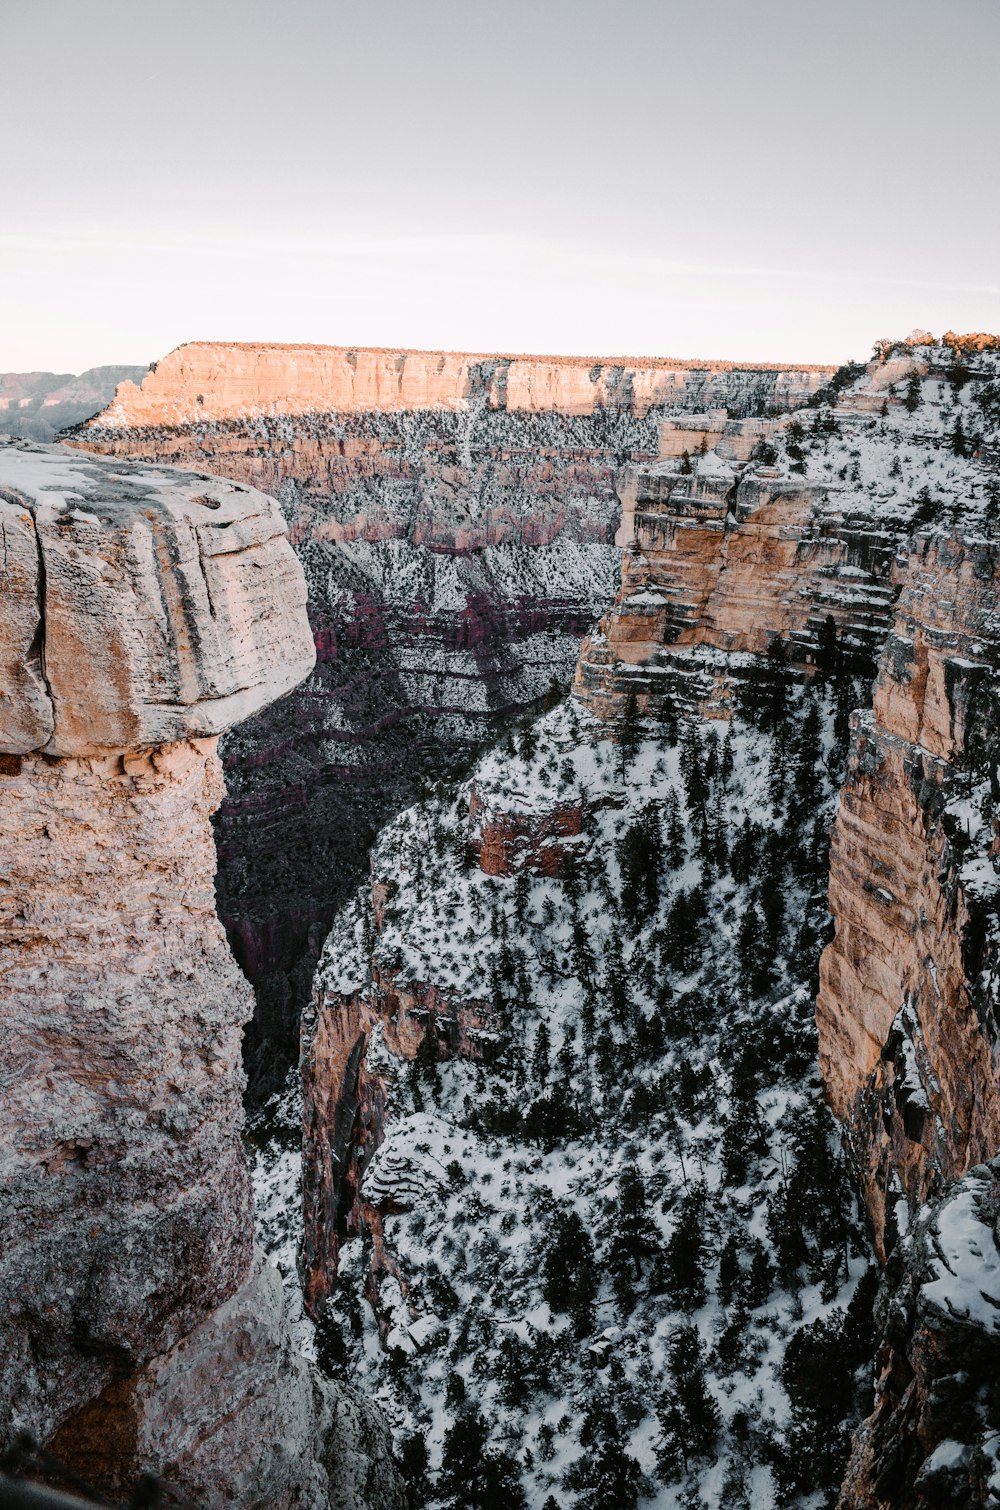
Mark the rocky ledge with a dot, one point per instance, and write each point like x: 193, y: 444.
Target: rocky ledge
x: 142, y: 613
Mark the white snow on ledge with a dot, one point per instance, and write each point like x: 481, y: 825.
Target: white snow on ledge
x: 968, y: 1263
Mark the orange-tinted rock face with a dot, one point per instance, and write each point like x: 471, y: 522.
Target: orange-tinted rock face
x: 722, y: 559
x: 347, y: 1097
x: 906, y: 1033
x: 206, y: 381
x: 721, y: 556
x: 508, y: 842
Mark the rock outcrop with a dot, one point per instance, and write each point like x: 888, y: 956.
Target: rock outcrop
x: 723, y: 556
x: 142, y: 613
x: 933, y: 1439
x: 906, y: 1010
x: 454, y: 515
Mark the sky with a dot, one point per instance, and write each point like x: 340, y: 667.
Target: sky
x: 761, y: 180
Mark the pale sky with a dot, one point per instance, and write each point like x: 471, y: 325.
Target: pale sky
x: 760, y: 180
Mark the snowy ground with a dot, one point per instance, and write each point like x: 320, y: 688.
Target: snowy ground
x: 629, y: 1253
x: 682, y: 1048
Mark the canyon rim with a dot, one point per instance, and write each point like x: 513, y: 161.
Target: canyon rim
x: 602, y: 757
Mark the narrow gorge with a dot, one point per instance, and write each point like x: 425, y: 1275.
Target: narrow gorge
x: 454, y: 515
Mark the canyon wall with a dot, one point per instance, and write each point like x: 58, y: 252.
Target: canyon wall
x: 142, y: 615
x: 455, y: 516
x: 725, y: 555
x: 722, y: 556
x: 869, y: 527
x: 906, y: 1009
x: 37, y: 405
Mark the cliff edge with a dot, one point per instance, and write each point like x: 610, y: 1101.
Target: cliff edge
x: 143, y: 614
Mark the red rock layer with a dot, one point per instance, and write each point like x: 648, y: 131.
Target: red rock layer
x: 721, y: 562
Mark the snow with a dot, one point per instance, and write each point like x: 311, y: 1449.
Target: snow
x: 967, y: 1266
x: 463, y: 1204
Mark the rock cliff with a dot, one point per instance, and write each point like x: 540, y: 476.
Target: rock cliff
x: 932, y: 1439
x: 907, y: 1009
x: 865, y: 528
x: 454, y: 515
x: 142, y: 614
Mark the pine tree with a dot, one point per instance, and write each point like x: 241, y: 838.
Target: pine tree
x: 616, y: 982
x: 629, y: 733
x: 760, y: 1280
x: 540, y: 1057
x: 913, y: 395
x: 522, y: 896
x: 414, y: 1461
x: 675, y: 849
x: 605, y: 1475
x: 692, y: 764
x: 683, y: 1257
x: 688, y: 1414
x: 427, y: 1054
x: 634, y: 1237
x: 554, y: 695
x: 475, y: 1476
x: 729, y: 1270
x: 568, y: 1272
x: 728, y: 758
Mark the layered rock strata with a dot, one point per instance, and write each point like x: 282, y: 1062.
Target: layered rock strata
x: 721, y: 557
x: 208, y: 381
x: 907, y: 1011
x: 142, y: 614
x: 454, y: 515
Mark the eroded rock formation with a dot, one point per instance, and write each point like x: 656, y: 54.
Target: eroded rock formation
x: 722, y: 556
x: 142, y: 614
x: 932, y: 1439
x: 454, y: 515
x: 881, y: 524
x: 906, y: 1010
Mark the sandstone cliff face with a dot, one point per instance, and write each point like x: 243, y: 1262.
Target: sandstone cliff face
x: 723, y: 556
x: 216, y: 381
x: 906, y: 1016
x: 454, y: 515
x: 127, y: 1257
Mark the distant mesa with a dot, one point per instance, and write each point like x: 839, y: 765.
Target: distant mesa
x: 205, y: 381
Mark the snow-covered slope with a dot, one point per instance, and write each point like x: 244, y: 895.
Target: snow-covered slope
x: 605, y: 1233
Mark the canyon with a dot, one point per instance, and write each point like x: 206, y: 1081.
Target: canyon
x: 38, y: 405
x: 455, y: 518
x: 759, y: 553
x: 576, y: 957
x: 145, y: 613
